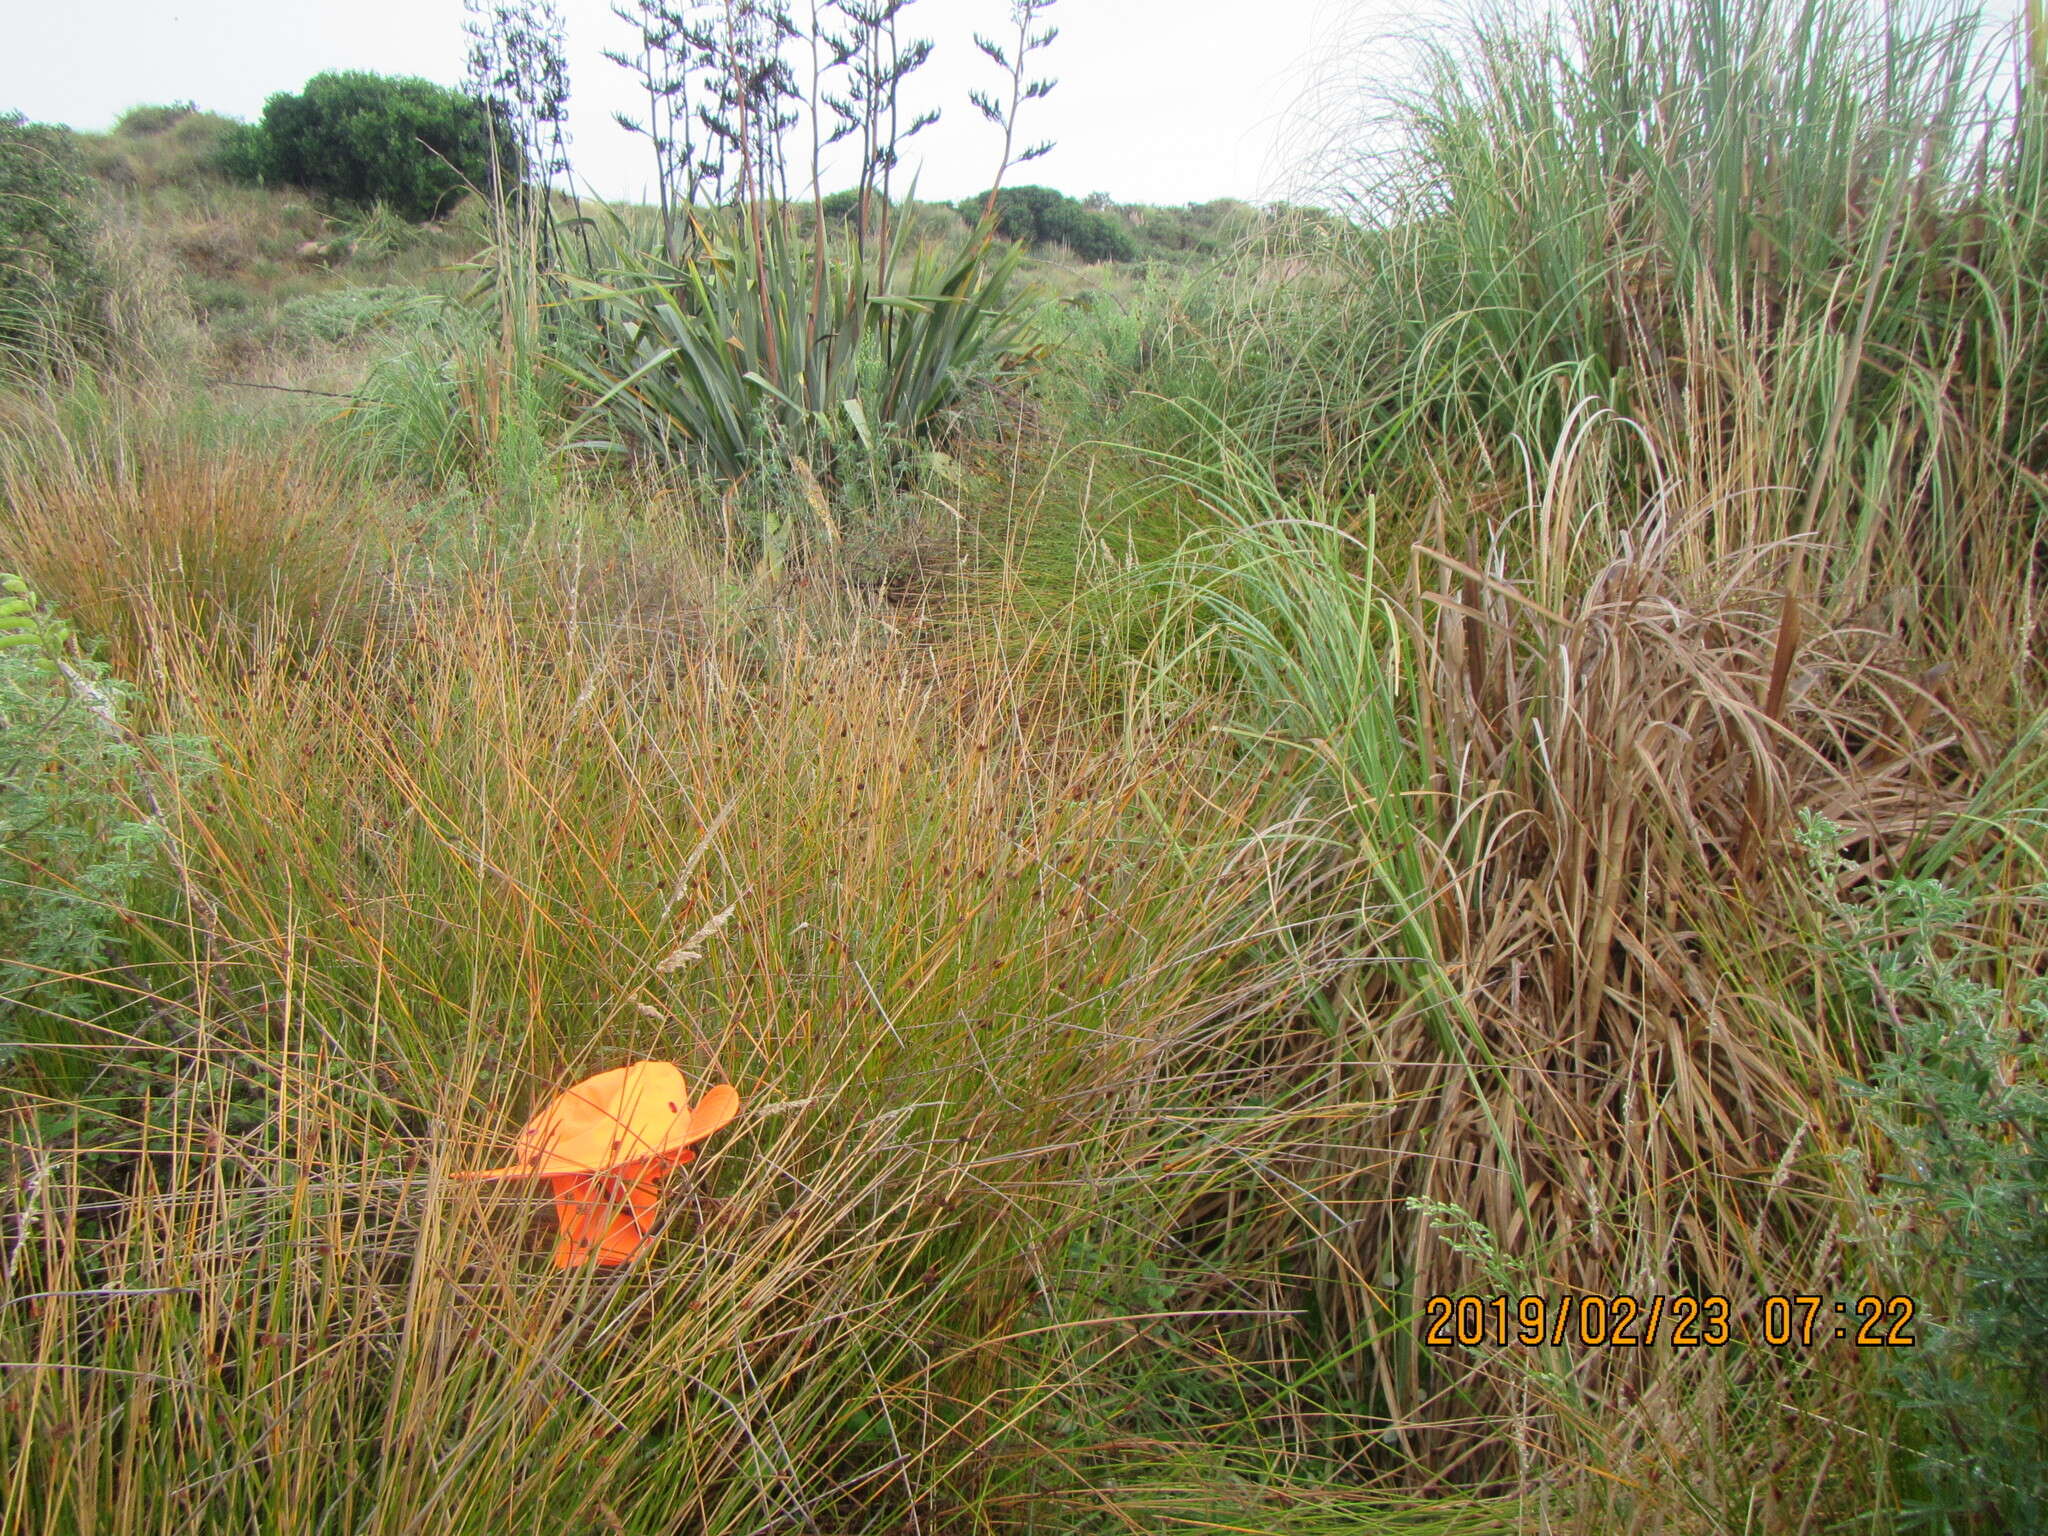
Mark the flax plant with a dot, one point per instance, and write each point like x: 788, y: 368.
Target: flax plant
x: 725, y: 358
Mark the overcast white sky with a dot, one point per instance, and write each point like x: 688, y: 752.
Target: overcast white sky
x: 1159, y: 101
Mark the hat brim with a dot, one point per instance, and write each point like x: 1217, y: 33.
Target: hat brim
x: 708, y: 1115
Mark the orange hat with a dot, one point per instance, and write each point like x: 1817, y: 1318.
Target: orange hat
x: 604, y: 1146
x: 621, y: 1116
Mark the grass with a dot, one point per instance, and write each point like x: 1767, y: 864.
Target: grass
x: 962, y: 947
x: 134, y: 511
x: 1301, y: 809
x: 1798, y: 247
x: 1542, y: 839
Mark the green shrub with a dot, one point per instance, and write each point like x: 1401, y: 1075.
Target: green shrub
x: 244, y: 154
x: 51, y: 287
x: 1041, y: 216
x: 928, y: 221
x: 919, y: 222
x: 1962, y: 1099
x: 366, y: 139
x: 75, y: 834
x: 845, y: 206
x: 1197, y: 229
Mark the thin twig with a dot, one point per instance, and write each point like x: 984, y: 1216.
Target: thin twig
x: 284, y: 389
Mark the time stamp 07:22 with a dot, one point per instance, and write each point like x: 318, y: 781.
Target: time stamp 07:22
x: 1684, y: 1322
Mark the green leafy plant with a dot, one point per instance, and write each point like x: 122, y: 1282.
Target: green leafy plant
x: 721, y: 356
x: 365, y: 139
x: 1194, y: 229
x: 76, y: 829
x: 844, y: 206
x: 1040, y: 216
x: 243, y: 154
x: 1961, y: 1099
x: 51, y: 285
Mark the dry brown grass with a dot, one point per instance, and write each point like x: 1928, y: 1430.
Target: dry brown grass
x: 129, y: 514
x: 1545, y: 873
x: 1640, y: 1100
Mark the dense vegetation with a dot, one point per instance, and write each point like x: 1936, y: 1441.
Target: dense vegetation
x: 1484, y: 744
x: 409, y: 144
x: 50, y: 284
x: 1040, y: 216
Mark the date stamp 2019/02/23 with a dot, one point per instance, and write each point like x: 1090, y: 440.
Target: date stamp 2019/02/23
x: 1685, y: 1322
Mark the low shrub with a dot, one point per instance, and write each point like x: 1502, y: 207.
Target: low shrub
x: 1196, y: 229
x: 346, y: 314
x: 77, y: 830
x: 1040, y: 216
x: 1962, y: 1101
x: 159, y: 146
x: 51, y: 287
x: 845, y: 206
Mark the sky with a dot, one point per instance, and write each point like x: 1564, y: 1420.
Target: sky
x: 1158, y: 101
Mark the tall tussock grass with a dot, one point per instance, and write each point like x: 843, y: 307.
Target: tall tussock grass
x: 1563, y: 1039
x: 1800, y: 245
x: 129, y: 510
x: 949, y: 945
